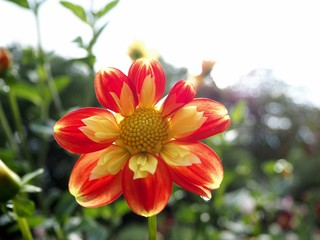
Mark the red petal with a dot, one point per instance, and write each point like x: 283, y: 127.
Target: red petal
x: 180, y: 94
x: 140, y: 69
x: 70, y: 137
x: 147, y: 196
x: 217, y: 120
x: 96, y: 192
x: 111, y: 81
x: 202, y: 177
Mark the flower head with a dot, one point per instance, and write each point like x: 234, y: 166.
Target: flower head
x: 139, y: 146
x: 5, y: 61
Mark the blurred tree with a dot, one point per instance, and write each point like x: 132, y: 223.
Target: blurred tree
x: 275, y: 125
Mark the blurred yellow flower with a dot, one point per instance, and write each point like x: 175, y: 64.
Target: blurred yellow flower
x: 137, y: 49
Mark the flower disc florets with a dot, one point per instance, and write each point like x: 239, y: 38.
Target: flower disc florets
x: 143, y: 131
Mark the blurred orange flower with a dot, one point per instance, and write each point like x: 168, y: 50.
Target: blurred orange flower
x: 5, y: 61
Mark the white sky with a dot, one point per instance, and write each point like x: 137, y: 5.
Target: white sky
x: 240, y: 35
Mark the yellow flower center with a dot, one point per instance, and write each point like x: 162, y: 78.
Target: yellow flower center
x: 143, y: 131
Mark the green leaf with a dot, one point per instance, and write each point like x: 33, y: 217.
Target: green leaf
x: 79, y: 41
x: 30, y: 188
x: 23, y: 207
x: 228, y: 178
x: 104, y: 212
x: 95, y: 37
x: 106, y: 9
x: 89, y: 60
x: 42, y: 128
x: 121, y: 208
x: 35, y: 221
x: 77, y: 10
x: 91, y: 227
x: 27, y: 92
x: 29, y: 176
x: 41, y: 72
x: 61, y: 82
x: 268, y: 167
x: 21, y: 3
x: 7, y: 154
x: 65, y: 206
x: 237, y: 114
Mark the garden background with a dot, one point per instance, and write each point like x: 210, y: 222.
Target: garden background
x: 270, y: 153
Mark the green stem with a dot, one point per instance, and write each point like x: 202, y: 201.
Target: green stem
x: 8, y: 132
x: 24, y: 228
x: 59, y: 232
x: 53, y: 90
x: 18, y: 122
x: 35, y: 10
x: 152, y: 226
x: 44, y: 66
x: 23, y: 225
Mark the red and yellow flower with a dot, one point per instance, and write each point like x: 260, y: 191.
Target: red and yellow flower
x: 139, y: 146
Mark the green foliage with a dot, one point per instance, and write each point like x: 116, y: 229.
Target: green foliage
x: 106, y: 9
x: 84, y: 16
x: 96, y: 36
x: 23, y: 207
x: 77, y: 10
x: 28, y: 92
x: 26, y: 179
x: 21, y: 3
x: 238, y: 112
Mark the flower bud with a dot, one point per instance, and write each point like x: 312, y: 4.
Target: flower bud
x: 10, y: 183
x: 5, y: 61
